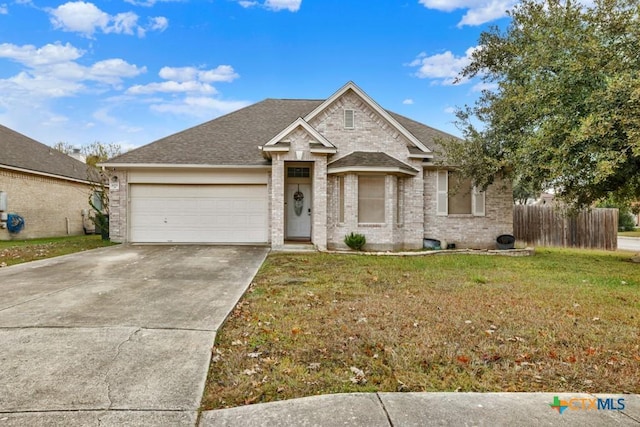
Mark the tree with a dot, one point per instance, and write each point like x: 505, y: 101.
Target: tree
x: 95, y: 153
x: 564, y: 108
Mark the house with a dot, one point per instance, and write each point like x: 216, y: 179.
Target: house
x: 284, y: 170
x: 45, y: 187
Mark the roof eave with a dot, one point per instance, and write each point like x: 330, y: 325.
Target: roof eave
x: 372, y: 169
x: 178, y: 166
x: 48, y: 175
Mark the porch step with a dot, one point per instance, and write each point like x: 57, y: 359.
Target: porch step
x: 296, y: 247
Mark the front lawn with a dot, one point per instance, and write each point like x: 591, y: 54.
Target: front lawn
x: 18, y: 251
x: 560, y: 321
x: 635, y: 233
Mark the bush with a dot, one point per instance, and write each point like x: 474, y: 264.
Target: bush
x: 355, y: 241
x: 625, y: 221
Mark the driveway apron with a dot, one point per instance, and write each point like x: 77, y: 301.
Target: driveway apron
x: 116, y: 335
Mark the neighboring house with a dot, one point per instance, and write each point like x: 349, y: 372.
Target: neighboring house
x: 47, y: 188
x: 313, y: 171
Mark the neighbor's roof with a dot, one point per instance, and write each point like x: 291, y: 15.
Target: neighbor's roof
x: 234, y: 139
x: 21, y: 152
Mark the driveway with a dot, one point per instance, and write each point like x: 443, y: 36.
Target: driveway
x: 114, y: 336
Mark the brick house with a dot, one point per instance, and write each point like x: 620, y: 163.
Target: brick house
x: 47, y: 188
x: 283, y: 171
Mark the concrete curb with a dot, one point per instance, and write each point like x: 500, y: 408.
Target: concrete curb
x: 431, y: 409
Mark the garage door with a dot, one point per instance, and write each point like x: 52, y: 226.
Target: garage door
x: 198, y: 213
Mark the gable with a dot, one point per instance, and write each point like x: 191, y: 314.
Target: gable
x: 370, y: 130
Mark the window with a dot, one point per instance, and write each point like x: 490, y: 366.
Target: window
x: 97, y: 200
x: 297, y: 172
x: 457, y: 196
x: 349, y: 119
x: 341, y: 198
x: 371, y: 199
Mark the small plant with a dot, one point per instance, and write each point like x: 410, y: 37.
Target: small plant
x: 355, y: 241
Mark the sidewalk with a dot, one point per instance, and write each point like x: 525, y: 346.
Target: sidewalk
x: 432, y: 409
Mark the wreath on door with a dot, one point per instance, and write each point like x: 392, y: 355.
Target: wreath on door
x: 298, y: 201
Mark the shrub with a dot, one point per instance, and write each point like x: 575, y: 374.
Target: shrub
x: 355, y: 241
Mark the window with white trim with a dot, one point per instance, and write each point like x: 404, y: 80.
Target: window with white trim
x: 349, y: 119
x: 457, y: 196
x: 371, y: 199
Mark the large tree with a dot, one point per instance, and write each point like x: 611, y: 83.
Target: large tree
x: 563, y: 108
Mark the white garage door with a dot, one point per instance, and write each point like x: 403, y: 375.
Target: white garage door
x: 198, y: 213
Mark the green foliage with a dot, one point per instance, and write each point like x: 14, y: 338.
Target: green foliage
x: 626, y: 222
x: 355, y: 241
x: 563, y: 106
x: 95, y: 153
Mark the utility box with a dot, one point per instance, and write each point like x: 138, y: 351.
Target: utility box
x: 3, y: 201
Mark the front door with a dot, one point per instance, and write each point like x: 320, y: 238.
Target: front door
x: 298, y: 211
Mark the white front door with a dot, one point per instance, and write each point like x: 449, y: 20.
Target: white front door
x: 298, y: 199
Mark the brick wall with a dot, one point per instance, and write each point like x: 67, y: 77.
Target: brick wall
x: 118, y: 208
x: 467, y: 231
x: 51, y: 207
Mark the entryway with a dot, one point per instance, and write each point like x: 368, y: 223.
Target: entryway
x: 298, y: 202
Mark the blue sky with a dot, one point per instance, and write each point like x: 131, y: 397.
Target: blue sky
x: 133, y: 71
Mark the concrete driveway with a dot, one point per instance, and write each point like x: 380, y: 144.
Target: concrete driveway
x: 120, y: 335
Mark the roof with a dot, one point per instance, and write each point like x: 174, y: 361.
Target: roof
x: 365, y: 160
x: 21, y: 152
x: 233, y: 139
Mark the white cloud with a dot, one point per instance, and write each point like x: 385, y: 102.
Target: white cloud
x: 79, y: 17
x: 274, y: 5
x: 479, y: 87
x: 31, y: 56
x: 408, y: 101
x: 202, y: 107
x: 187, y: 80
x: 158, y: 23
x: 87, y: 19
x: 179, y: 74
x: 222, y: 73
x: 200, y: 98
x: 450, y: 110
x: 290, y: 5
x: 4, y: 10
x: 478, y: 11
x: 172, y: 87
x: 123, y: 23
x: 443, y: 68
x: 51, y: 71
x: 149, y: 3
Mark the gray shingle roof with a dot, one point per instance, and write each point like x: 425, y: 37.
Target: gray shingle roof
x: 20, y: 151
x: 370, y: 159
x: 233, y: 139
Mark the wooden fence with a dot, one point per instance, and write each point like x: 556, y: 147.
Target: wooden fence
x: 551, y: 226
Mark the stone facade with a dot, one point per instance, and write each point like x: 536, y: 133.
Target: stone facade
x: 118, y: 197
x: 468, y: 231
x: 51, y: 207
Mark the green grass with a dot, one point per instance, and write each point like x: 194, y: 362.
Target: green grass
x: 562, y: 320
x: 18, y: 251
x: 635, y: 233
